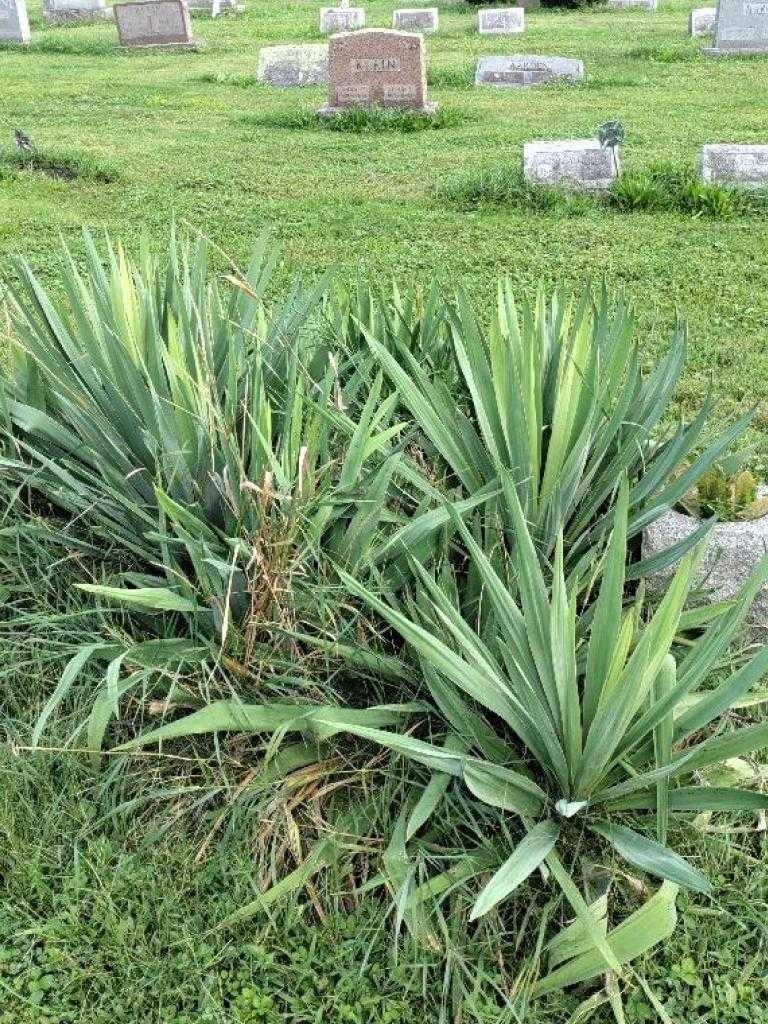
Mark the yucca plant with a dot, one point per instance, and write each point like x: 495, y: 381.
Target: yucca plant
x: 563, y: 735
x: 554, y: 406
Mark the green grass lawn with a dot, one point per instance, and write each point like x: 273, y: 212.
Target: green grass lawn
x: 191, y: 135
x: 100, y: 924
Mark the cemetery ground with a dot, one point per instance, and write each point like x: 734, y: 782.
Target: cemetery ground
x: 111, y: 917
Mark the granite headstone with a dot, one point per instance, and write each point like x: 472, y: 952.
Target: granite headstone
x: 728, y: 164
x: 570, y: 163
x: 502, y: 21
x: 741, y: 26
x: 294, y: 65
x: 524, y: 69
x: 341, y: 19
x: 702, y: 21
x: 377, y: 67
x: 57, y: 12
x: 416, y: 19
x: 14, y: 23
x: 155, y: 23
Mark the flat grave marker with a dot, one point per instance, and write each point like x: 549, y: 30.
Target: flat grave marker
x: 570, y: 163
x: 730, y: 164
x: 525, y: 69
x: 342, y: 18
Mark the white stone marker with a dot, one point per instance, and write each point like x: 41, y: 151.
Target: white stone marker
x: 524, y: 69
x: 213, y: 8
x: 570, y: 163
x: 14, y: 23
x: 647, y: 5
x: 57, y: 12
x: 416, y: 19
x: 341, y: 19
x: 727, y: 164
x: 501, y: 21
x: 294, y: 65
x: 702, y: 21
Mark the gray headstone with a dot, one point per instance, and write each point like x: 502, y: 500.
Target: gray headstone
x: 745, y: 166
x: 213, y: 8
x: 294, y: 65
x: 155, y: 23
x: 416, y: 19
x: 647, y: 5
x: 570, y: 163
x: 523, y: 69
x: 341, y: 19
x: 56, y: 12
x: 14, y: 23
x: 732, y: 552
x: 741, y: 26
x: 702, y: 21
x: 377, y: 68
x: 501, y: 21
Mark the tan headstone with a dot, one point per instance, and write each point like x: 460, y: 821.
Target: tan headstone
x: 377, y: 68
x: 155, y: 23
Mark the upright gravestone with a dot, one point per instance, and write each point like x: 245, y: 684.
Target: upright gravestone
x: 524, y: 69
x: 341, y: 18
x: 377, y: 68
x: 646, y: 5
x: 741, y: 26
x: 702, y: 21
x: 155, y: 23
x: 56, y: 12
x: 416, y: 19
x: 14, y: 23
x: 213, y: 8
x: 570, y: 163
x: 305, y: 64
x: 728, y: 164
x: 501, y: 21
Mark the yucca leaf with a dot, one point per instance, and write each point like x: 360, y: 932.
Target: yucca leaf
x: 652, y: 857
x: 527, y: 856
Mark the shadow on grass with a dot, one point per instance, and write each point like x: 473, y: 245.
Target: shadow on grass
x: 661, y: 188
x: 58, y: 165
x: 358, y: 121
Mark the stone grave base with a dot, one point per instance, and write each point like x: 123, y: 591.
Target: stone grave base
x: 193, y: 44
x: 716, y: 51
x: 428, y: 108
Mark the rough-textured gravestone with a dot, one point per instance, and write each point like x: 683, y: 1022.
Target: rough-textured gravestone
x: 741, y: 26
x: 377, y: 67
x: 732, y: 553
x: 647, y: 5
x: 155, y: 23
x: 523, y: 69
x: 56, y: 12
x: 745, y: 166
x: 14, y: 23
x: 416, y: 19
x: 502, y: 21
x: 341, y: 19
x: 571, y: 163
x: 702, y: 21
x: 294, y: 65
